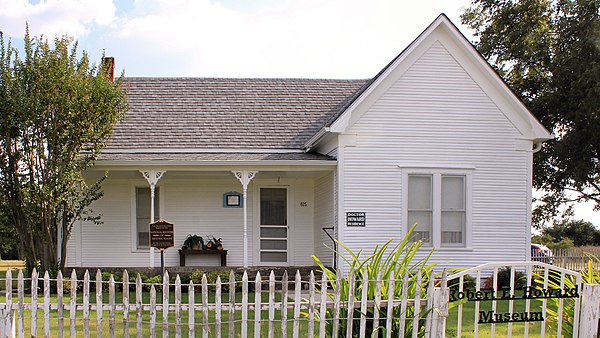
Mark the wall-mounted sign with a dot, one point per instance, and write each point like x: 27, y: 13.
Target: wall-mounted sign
x: 506, y: 294
x: 161, y: 235
x: 232, y: 199
x: 356, y: 219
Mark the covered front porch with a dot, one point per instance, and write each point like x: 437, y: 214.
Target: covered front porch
x: 282, y: 211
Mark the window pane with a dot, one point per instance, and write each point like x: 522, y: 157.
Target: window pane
x: 423, y: 229
x: 419, y: 192
x: 273, y: 244
x: 268, y: 232
x: 273, y: 206
x: 142, y: 211
x: 453, y: 226
x: 453, y: 192
x: 273, y: 257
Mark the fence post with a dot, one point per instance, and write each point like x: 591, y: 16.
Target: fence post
x: 441, y: 298
x: 590, y: 310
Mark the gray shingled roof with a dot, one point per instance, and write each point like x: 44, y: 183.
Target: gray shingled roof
x: 215, y: 113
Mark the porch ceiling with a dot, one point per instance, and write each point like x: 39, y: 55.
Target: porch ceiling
x: 212, y: 175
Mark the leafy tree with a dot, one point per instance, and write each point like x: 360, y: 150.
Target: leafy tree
x: 548, y: 51
x: 579, y: 231
x: 8, y: 236
x: 552, y: 242
x: 56, y: 113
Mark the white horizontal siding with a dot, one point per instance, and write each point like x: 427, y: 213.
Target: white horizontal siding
x: 435, y: 115
x: 195, y: 206
x: 303, y: 228
x: 324, y: 216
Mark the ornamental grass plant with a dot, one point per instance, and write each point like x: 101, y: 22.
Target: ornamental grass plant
x: 590, y: 275
x: 386, y: 261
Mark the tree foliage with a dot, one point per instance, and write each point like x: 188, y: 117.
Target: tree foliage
x: 56, y: 112
x: 8, y: 236
x: 582, y: 233
x: 548, y: 51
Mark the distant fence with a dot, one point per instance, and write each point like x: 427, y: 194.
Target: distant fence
x: 270, y: 307
x: 576, y: 258
x: 11, y: 264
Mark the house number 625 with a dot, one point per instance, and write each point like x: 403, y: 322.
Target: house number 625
x: 303, y: 204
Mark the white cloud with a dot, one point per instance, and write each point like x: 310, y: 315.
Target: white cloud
x: 235, y: 38
x: 55, y: 17
x: 287, y: 38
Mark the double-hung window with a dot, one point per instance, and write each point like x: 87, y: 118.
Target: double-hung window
x: 142, y: 216
x: 437, y: 202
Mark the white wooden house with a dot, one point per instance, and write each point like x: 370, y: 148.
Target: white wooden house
x: 435, y: 138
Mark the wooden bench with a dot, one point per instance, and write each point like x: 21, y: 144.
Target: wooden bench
x: 184, y: 252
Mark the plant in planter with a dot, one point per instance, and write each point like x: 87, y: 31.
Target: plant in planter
x: 214, y: 243
x: 193, y: 242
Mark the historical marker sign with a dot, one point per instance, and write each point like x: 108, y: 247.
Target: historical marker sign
x: 161, y: 235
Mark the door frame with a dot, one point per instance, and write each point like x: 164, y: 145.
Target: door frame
x: 256, y: 225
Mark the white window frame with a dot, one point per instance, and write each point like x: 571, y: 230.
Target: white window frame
x: 436, y: 231
x: 133, y: 224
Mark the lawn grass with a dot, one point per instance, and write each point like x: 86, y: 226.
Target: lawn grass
x: 172, y: 326
x: 468, y: 317
x: 501, y: 329
x: 468, y: 322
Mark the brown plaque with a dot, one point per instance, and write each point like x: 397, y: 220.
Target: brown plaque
x: 161, y: 234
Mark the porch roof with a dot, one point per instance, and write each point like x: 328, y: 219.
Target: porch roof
x: 196, y: 114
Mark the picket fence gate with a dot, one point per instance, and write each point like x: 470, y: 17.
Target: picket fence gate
x: 582, y: 300
x: 312, y: 309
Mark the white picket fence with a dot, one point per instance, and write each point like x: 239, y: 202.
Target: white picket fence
x: 311, y: 308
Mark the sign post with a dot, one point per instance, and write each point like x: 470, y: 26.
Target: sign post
x: 161, y: 237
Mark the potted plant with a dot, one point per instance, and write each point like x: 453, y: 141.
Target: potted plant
x: 193, y: 242
x: 214, y: 243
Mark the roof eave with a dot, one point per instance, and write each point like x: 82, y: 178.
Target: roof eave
x: 278, y: 164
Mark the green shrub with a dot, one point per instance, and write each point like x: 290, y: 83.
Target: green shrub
x: 469, y: 282
x: 591, y: 275
x: 503, y: 279
x: 211, y: 278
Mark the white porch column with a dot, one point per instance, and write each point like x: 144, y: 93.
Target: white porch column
x: 245, y: 177
x: 152, y: 176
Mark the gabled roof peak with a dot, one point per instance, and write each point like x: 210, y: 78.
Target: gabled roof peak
x: 443, y: 29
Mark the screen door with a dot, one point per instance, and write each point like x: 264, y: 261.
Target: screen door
x: 273, y: 226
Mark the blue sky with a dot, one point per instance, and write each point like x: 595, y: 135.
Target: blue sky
x: 238, y: 38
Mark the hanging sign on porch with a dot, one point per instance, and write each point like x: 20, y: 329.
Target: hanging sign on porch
x: 356, y: 219
x: 161, y: 235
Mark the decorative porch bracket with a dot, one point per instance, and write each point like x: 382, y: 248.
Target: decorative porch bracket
x: 152, y: 176
x: 245, y: 177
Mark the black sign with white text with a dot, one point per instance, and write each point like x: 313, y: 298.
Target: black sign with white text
x: 356, y: 219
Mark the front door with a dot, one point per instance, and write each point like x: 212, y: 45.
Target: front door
x: 274, y: 231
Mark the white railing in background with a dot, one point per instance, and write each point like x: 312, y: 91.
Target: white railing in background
x: 576, y: 258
